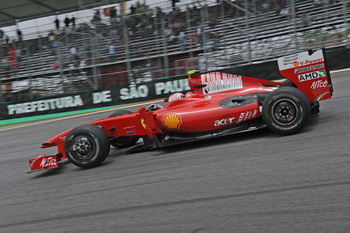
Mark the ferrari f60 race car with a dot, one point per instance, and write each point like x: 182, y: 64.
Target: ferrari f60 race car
x: 218, y: 104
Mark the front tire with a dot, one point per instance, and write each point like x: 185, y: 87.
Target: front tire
x: 87, y: 146
x: 286, y: 110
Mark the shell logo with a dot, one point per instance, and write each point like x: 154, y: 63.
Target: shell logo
x: 172, y: 121
x: 296, y: 63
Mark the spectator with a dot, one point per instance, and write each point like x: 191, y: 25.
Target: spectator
x: 172, y: 39
x: 57, y: 23
x: 73, y: 21
x: 194, y: 39
x: 97, y: 17
x: 305, y: 19
x: 19, y: 35
x: 317, y: 3
x: 56, y: 63
x: 132, y: 10
x: 199, y: 32
x: 66, y: 21
x: 12, y: 58
x: 88, y: 55
x: 113, y: 14
x: 110, y: 50
x: 216, y: 40
x: 74, y: 57
x: 182, y: 39
x: 1, y: 35
x: 18, y: 55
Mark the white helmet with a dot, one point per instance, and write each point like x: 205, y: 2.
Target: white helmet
x: 175, y: 96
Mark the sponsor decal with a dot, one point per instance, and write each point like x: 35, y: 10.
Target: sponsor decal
x: 130, y: 132
x: 47, y: 162
x: 45, y: 105
x: 129, y: 127
x: 172, y: 121
x: 307, y: 62
x: 318, y: 84
x: 312, y: 75
x: 225, y: 121
x: 217, y: 82
x: 143, y: 123
x: 309, y: 68
x: 247, y: 115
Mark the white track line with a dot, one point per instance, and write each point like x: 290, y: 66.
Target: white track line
x: 75, y: 116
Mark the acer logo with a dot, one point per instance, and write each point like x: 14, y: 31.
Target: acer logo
x: 224, y: 121
x: 50, y: 161
x: 318, y: 84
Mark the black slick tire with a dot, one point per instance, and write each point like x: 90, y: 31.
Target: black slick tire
x: 87, y: 146
x: 286, y: 110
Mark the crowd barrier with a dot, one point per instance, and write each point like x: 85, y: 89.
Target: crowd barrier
x: 337, y: 59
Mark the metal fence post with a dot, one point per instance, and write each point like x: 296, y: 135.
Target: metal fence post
x: 165, y: 49
x: 345, y: 17
x: 247, y: 31
x: 294, y: 25
x: 127, y: 48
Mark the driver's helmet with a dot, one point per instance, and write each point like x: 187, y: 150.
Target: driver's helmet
x: 175, y: 96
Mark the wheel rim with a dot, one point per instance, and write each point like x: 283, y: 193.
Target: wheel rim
x: 284, y: 111
x: 83, y: 148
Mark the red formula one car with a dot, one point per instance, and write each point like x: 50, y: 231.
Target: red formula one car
x: 218, y: 104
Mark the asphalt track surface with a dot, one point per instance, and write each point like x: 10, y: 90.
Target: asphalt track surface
x: 250, y: 182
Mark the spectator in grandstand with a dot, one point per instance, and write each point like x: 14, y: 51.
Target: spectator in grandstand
x: 5, y: 65
x: 19, y: 35
x: 182, y: 39
x: 1, y: 35
x: 18, y: 55
x: 97, y: 17
x: 199, y: 32
x: 216, y: 40
x: 72, y: 20
x: 56, y: 63
x: 12, y: 59
x: 113, y: 14
x: 88, y: 54
x: 66, y: 22
x: 57, y: 23
x: 318, y: 3
x: 172, y: 39
x: 278, y: 8
x: 132, y: 10
x: 305, y: 19
x: 194, y: 39
x: 74, y: 57
x: 110, y: 50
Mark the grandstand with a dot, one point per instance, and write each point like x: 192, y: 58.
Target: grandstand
x: 155, y: 43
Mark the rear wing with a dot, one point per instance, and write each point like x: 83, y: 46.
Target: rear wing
x: 308, y: 71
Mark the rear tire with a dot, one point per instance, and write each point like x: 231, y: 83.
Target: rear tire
x: 87, y: 146
x: 286, y: 110
x: 123, y: 141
